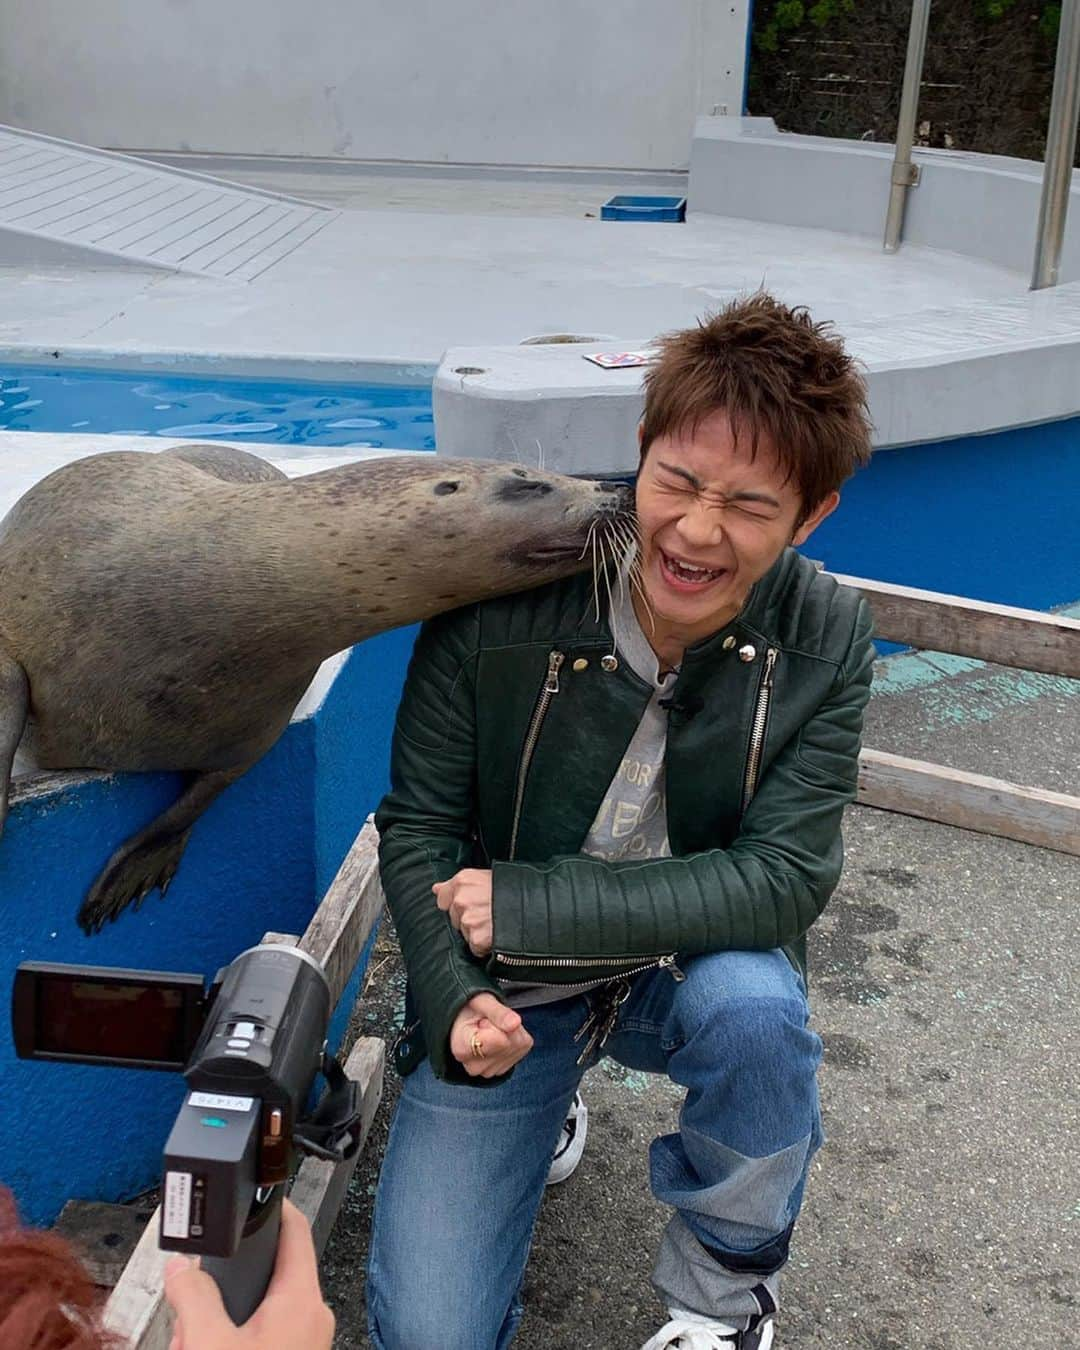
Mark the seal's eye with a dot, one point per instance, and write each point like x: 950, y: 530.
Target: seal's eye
x: 519, y: 473
x: 445, y: 489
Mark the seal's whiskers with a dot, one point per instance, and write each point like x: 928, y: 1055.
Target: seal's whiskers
x: 607, y: 583
x: 588, y: 540
x: 630, y: 537
x: 595, y: 572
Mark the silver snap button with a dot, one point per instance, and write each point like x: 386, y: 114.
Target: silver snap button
x: 728, y: 643
x: 609, y: 663
x: 747, y: 653
x: 581, y: 664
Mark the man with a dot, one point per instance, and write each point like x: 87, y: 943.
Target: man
x: 608, y: 834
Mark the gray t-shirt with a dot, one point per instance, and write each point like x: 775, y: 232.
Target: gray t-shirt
x: 631, y: 821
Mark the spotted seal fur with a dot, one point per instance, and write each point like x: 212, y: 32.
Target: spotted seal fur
x: 167, y: 611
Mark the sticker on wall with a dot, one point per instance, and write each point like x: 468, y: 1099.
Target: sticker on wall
x: 618, y: 360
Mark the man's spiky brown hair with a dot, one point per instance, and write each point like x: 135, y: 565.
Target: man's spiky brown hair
x: 774, y: 372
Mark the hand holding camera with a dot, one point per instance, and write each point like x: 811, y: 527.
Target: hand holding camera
x: 292, y: 1316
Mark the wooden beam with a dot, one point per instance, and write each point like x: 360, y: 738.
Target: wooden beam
x: 136, y: 1309
x: 342, y: 924
x: 971, y: 801
x: 320, y: 1186
x: 105, y: 1235
x: 1001, y: 634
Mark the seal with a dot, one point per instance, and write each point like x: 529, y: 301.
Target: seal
x: 167, y: 611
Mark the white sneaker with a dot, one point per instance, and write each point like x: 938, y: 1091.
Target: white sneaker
x: 693, y: 1331
x: 571, y: 1143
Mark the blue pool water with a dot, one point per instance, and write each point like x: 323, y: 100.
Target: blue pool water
x: 294, y: 412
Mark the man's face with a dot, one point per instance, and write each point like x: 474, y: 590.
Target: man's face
x: 713, y: 520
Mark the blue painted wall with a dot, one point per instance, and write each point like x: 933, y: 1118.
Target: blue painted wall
x: 261, y: 858
x: 991, y: 517
x: 353, y: 752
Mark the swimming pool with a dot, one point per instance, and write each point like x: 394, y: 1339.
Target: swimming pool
x: 207, y: 407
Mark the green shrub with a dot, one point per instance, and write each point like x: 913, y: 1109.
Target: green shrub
x: 835, y: 67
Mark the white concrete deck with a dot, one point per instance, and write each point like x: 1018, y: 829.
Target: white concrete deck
x: 416, y: 263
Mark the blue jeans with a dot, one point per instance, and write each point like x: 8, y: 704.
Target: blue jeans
x: 465, y: 1167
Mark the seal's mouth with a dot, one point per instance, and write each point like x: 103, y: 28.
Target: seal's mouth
x: 546, y: 553
x: 605, y: 535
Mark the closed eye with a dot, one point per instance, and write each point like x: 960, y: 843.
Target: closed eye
x: 755, y: 510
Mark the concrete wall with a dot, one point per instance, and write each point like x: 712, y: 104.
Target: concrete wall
x: 983, y: 206
x: 975, y: 370
x: 516, y: 82
x: 261, y: 858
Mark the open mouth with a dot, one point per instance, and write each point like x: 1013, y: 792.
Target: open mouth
x: 552, y: 550
x: 688, y: 577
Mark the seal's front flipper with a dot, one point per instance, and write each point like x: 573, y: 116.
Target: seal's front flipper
x: 149, y: 859
x: 14, y: 706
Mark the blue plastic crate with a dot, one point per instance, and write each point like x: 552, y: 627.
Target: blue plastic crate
x: 644, y: 208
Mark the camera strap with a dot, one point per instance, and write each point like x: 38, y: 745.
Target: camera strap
x: 332, y: 1131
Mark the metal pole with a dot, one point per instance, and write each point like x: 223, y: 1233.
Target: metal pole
x: 1060, y: 150
x: 904, y: 173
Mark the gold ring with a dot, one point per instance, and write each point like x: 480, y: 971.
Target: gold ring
x: 477, y: 1045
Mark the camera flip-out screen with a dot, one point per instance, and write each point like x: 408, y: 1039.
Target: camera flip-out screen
x: 143, y: 1019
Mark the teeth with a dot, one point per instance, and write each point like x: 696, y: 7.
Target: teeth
x: 690, y: 569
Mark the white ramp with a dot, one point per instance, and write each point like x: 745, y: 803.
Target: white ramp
x: 68, y: 203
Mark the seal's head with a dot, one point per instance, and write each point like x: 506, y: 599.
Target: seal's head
x: 438, y: 533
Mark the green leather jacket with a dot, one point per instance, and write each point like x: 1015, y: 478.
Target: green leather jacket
x: 512, y: 725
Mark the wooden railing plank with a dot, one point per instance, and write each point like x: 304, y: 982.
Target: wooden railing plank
x: 136, y: 1309
x: 971, y: 801
x: 320, y: 1186
x: 1006, y: 636
x: 342, y: 924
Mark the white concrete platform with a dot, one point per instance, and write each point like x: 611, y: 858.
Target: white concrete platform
x: 988, y: 204
x: 408, y: 283
x: 933, y: 375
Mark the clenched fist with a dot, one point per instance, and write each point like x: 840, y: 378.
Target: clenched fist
x: 466, y: 898
x: 487, y: 1038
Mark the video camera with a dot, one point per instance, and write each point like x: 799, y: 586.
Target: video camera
x: 249, y: 1048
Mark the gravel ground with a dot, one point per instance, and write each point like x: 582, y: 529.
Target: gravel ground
x: 943, y: 1213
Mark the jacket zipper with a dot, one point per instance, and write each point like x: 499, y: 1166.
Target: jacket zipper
x: 572, y: 962
x: 543, y: 702
x: 757, y: 731
x: 665, y: 962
